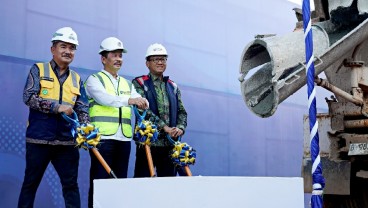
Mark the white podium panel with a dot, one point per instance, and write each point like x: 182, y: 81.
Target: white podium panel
x: 199, y: 192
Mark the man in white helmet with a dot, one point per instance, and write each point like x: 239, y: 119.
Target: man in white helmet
x: 53, y: 88
x: 110, y: 97
x: 166, y: 110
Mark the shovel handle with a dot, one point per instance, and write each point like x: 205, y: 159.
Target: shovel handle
x: 187, y: 170
x: 149, y: 160
x: 103, y: 162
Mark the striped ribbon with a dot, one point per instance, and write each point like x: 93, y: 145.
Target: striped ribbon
x: 318, y: 180
x: 182, y: 154
x: 86, y: 135
x: 145, y: 131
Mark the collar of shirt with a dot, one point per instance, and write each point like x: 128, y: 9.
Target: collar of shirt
x: 112, y: 78
x: 154, y: 77
x: 157, y: 80
x: 110, y: 75
x: 56, y: 69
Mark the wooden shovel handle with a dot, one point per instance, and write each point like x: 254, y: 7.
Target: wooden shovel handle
x: 149, y: 160
x: 103, y: 162
x: 187, y: 170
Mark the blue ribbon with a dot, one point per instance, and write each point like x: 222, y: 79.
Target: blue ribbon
x: 182, y: 154
x: 87, y: 136
x: 172, y: 141
x: 318, y: 180
x: 73, y: 122
x: 145, y: 132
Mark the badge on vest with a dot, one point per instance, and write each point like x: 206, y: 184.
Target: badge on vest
x: 124, y: 92
x: 44, y: 92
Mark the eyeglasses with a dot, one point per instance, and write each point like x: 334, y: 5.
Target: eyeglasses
x: 157, y: 60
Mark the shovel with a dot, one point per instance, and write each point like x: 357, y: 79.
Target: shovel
x: 87, y: 137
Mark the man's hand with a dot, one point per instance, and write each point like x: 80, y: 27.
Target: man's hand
x: 176, y: 132
x: 141, y: 103
x: 173, y: 131
x: 68, y: 110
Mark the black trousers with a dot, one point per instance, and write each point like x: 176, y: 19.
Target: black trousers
x: 161, y: 161
x: 116, y: 154
x: 64, y: 158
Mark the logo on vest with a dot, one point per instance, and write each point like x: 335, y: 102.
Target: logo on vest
x: 44, y: 92
x: 124, y: 92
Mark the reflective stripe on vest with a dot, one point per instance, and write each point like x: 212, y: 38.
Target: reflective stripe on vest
x: 107, y: 118
x: 50, y: 86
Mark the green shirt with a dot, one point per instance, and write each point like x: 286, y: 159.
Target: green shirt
x: 163, y: 106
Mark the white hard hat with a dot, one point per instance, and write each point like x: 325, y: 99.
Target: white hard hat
x: 112, y: 44
x: 65, y: 34
x: 156, y: 49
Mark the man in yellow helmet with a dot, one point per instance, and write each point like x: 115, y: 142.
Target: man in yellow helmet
x: 53, y: 88
x: 110, y: 100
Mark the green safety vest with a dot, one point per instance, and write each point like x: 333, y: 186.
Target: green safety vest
x: 107, y: 118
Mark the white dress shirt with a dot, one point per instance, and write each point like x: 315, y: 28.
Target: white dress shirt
x: 97, y: 91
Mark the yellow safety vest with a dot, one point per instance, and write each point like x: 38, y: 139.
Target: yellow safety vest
x: 108, y: 118
x: 50, y: 86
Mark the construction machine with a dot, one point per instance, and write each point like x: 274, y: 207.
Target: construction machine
x: 276, y: 69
